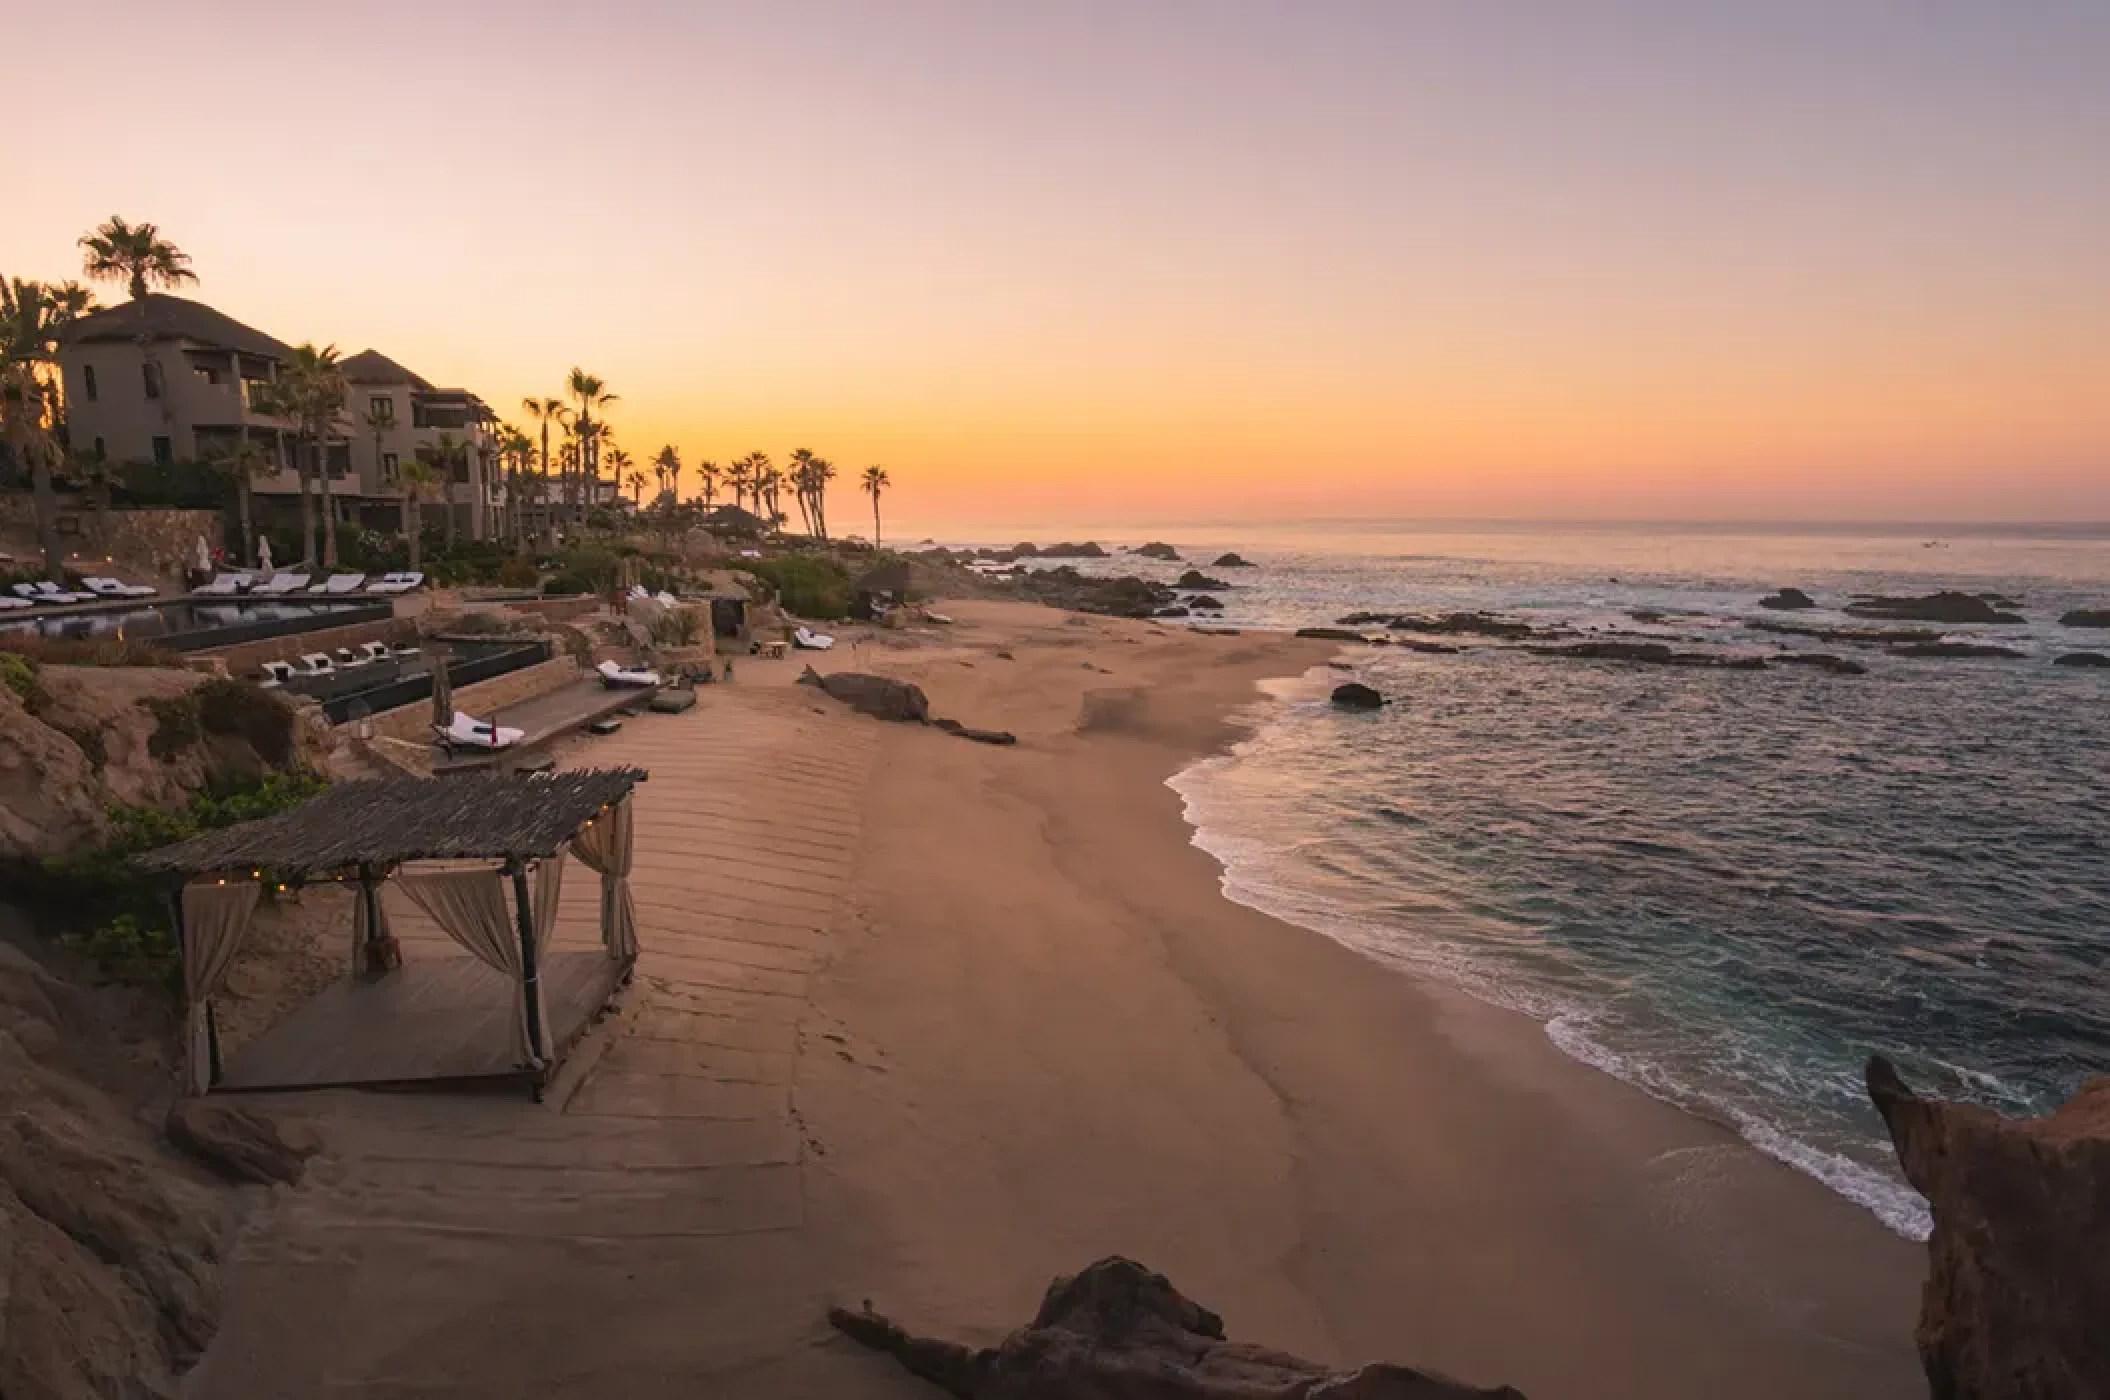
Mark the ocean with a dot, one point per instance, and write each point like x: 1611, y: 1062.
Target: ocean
x: 1726, y: 887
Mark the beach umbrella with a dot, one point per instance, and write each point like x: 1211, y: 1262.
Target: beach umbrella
x: 204, y: 559
x: 442, y: 689
x: 263, y: 553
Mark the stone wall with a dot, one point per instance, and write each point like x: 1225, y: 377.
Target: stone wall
x: 485, y: 699
x: 569, y: 609
x: 248, y: 658
x: 159, y: 542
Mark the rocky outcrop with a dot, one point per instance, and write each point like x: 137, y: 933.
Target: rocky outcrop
x: 2018, y: 1285
x: 1455, y: 624
x: 1176, y: 610
x: 1956, y: 649
x: 2085, y: 660
x: 1231, y: 561
x: 238, y: 1144
x: 1651, y: 654
x: 1202, y: 602
x: 1126, y: 596
x: 1946, y: 606
x: 1859, y: 636
x: 1788, y: 600
x: 1195, y: 578
x: 881, y: 697
x: 1158, y: 549
x: 51, y: 798
x: 1837, y: 665
x: 1331, y: 634
x: 1354, y: 695
x: 2086, y: 617
x: 110, y: 1245
x: 1090, y: 549
x: 1117, y: 1331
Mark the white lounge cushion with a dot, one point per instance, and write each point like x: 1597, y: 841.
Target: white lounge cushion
x: 806, y: 639
x: 615, y: 675
x: 339, y: 584
x: 16, y: 603
x: 476, y: 733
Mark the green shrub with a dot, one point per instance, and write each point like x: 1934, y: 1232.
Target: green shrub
x: 584, y: 569
x: 19, y: 674
x: 176, y: 723
x: 137, y: 952
x: 89, y: 740
x: 807, y: 585
x: 92, y: 651
x: 518, y: 573
x: 679, y: 627
x: 242, y: 710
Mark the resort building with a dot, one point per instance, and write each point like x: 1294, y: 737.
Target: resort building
x: 163, y: 379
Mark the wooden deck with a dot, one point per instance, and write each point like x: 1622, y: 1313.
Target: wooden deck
x: 436, y: 1019
x: 546, y: 717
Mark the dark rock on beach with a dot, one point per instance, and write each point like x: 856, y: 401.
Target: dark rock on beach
x: 2086, y: 660
x: 1651, y: 654
x: 239, y: 1144
x: 1363, y: 619
x: 1232, y: 561
x: 1158, y: 549
x: 1956, y: 649
x: 1430, y: 648
x: 2018, y: 1284
x: 881, y: 697
x: 1195, y: 578
x: 1126, y: 596
x: 1860, y: 636
x: 1331, y: 634
x: 1946, y: 606
x: 1117, y: 1331
x: 1788, y: 600
x: 1646, y: 615
x: 1202, y: 602
x: 2086, y: 617
x: 1474, y: 624
x: 1837, y: 665
x: 1354, y: 695
x: 1176, y: 610
x: 1090, y: 549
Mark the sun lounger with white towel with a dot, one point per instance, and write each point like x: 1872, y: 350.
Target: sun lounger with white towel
x: 227, y: 585
x: 619, y: 678
x: 279, y: 585
x: 276, y: 673
x: 6, y: 602
x: 315, y: 663
x: 47, y: 592
x: 337, y: 585
x: 806, y: 639
x: 116, y: 588
x: 467, y: 733
x: 402, y: 582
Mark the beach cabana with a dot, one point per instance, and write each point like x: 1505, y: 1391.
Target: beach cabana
x: 483, y: 857
x: 879, y: 588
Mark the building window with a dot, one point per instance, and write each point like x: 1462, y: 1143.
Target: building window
x: 164, y: 451
x: 88, y: 383
x: 382, y: 407
x: 339, y: 457
x: 389, y: 469
x: 102, y: 453
x: 150, y: 375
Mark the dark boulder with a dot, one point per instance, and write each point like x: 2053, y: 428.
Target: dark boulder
x: 1430, y: 648
x: 1125, y: 596
x: 1788, y: 600
x: 1646, y: 615
x: 2086, y: 660
x: 1837, y: 665
x: 238, y: 1143
x: 1231, y: 561
x: 2018, y: 1284
x: 1363, y: 619
x: 1158, y: 549
x: 1000, y: 737
x: 1024, y: 549
x: 1354, y: 695
x: 1945, y: 606
x: 1451, y: 624
x: 1195, y: 578
x: 881, y: 697
x: 1090, y: 549
x: 2086, y: 617
x: 1651, y: 654
x: 1859, y: 636
x: 1176, y: 610
x: 1117, y: 1331
x: 1955, y: 649
x: 1202, y: 602
x: 1331, y: 634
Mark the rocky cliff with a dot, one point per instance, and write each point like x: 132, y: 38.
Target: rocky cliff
x: 2017, y: 1301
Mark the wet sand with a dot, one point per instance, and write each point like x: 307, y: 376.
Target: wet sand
x: 1007, y: 1023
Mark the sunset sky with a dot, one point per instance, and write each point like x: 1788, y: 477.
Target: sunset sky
x: 1127, y: 259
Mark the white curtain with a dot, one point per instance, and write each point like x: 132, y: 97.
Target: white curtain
x: 604, y: 845
x: 362, y: 936
x: 549, y: 886
x: 472, y: 908
x: 214, y: 920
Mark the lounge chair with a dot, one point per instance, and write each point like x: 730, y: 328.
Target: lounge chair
x: 116, y: 588
x: 368, y: 652
x: 806, y: 639
x: 397, y: 583
x: 315, y: 663
x: 7, y: 602
x: 279, y: 585
x: 337, y: 585
x: 467, y: 733
x: 620, y: 678
x: 47, y: 592
x: 276, y: 673
x: 227, y: 585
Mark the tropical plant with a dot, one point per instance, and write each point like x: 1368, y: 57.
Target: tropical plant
x: 242, y: 462
x: 444, y: 455
x: 377, y: 422
x: 518, y: 452
x: 707, y: 473
x: 546, y: 412
x: 637, y: 489
x: 740, y: 476
x: 417, y: 477
x: 668, y: 462
x: 135, y: 254
x: 32, y: 316
x: 875, y: 482
x: 801, y: 464
x: 310, y: 390
x: 592, y: 394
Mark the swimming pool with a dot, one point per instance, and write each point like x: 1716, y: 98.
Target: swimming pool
x: 196, y: 624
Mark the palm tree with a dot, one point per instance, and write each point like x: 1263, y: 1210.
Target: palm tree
x: 823, y: 472
x: 768, y: 481
x: 137, y: 255
x: 416, y: 475
x: 546, y: 411
x: 310, y: 390
x: 801, y: 463
x: 591, y: 394
x: 619, y: 462
x: 446, y: 451
x: 637, y: 488
x: 518, y: 452
x: 874, y: 482
x: 32, y: 316
x: 378, y: 423
x: 739, y: 476
x: 668, y: 462
x: 243, y: 463
x: 707, y: 473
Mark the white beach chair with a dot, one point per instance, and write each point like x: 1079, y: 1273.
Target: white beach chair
x: 466, y: 733
x: 279, y: 585
x: 226, y: 585
x: 370, y: 652
x: 337, y: 585
x: 401, y: 582
x: 45, y: 591
x: 315, y: 663
x: 622, y: 678
x: 116, y: 588
x: 276, y: 673
x: 8, y: 602
x: 806, y: 639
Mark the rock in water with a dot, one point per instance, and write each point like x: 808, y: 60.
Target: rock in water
x: 239, y: 1144
x: 1195, y: 578
x: 2018, y: 1284
x: 1117, y: 1331
x: 1934, y: 607
x: 1356, y: 696
x: 1331, y: 634
x: 1957, y: 649
x: 2086, y: 617
x: 1158, y: 549
x: 2093, y: 660
x: 1823, y: 661
x: 881, y: 697
x: 1232, y: 561
x: 1788, y: 600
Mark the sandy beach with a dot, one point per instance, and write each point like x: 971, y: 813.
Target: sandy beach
x: 926, y: 1022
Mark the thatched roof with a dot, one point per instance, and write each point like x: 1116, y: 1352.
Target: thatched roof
x: 734, y: 520
x: 158, y: 316
x: 488, y: 816
x: 373, y: 367
x: 885, y: 578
